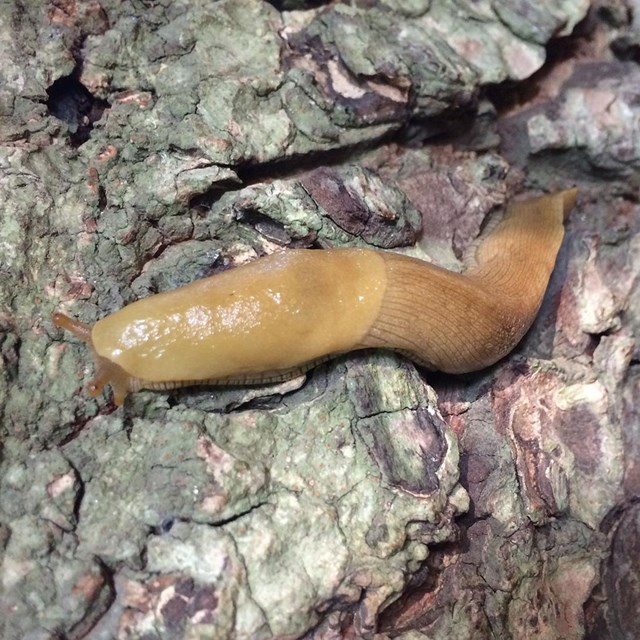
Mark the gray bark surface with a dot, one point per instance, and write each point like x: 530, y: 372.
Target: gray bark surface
x: 144, y: 145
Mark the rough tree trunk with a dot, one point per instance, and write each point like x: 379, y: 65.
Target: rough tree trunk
x: 144, y: 145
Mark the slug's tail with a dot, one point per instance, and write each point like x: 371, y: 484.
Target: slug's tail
x: 107, y: 372
x: 569, y: 197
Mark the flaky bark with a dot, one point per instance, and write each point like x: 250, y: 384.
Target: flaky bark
x: 144, y: 147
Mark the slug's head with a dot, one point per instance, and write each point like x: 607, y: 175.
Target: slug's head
x: 107, y: 372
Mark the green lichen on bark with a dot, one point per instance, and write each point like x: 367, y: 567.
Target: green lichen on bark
x: 304, y: 508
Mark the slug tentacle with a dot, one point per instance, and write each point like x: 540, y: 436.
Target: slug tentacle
x: 79, y: 329
x: 107, y: 372
x: 280, y: 315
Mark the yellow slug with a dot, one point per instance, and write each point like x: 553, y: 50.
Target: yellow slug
x: 282, y: 314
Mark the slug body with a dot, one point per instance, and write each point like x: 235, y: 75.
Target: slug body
x: 282, y: 314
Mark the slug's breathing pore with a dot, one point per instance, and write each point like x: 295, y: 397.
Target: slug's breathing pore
x: 280, y: 315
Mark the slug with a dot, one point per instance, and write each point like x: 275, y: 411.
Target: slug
x: 282, y: 314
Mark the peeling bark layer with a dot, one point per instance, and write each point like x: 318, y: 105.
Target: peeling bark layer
x: 144, y: 147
